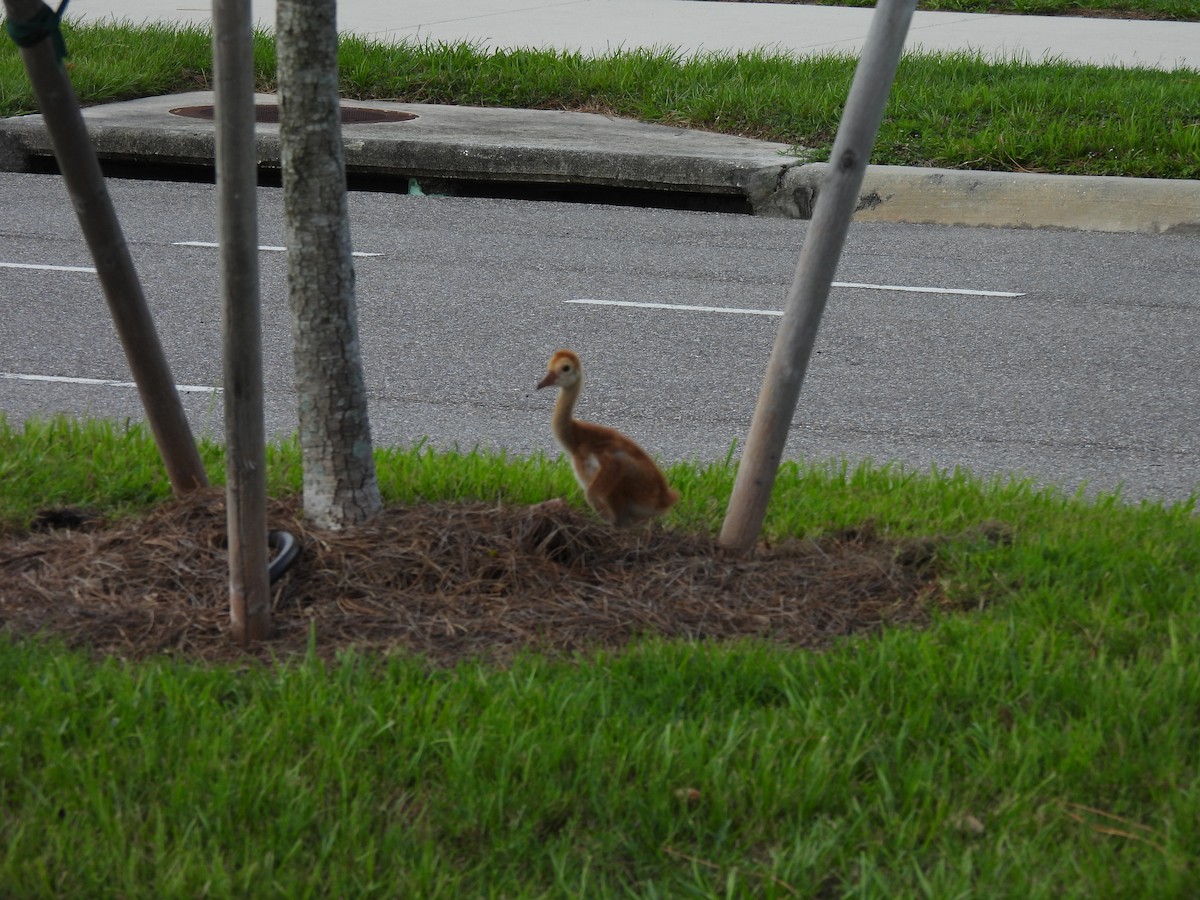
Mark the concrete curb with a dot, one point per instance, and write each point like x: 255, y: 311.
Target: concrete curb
x: 445, y: 145
x: 1015, y: 200
x: 1003, y: 200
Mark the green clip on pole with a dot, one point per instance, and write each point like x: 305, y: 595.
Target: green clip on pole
x: 46, y: 24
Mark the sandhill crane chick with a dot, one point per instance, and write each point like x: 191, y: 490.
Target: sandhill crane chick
x: 619, y: 479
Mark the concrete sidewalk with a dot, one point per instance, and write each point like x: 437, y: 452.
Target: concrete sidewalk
x: 697, y: 26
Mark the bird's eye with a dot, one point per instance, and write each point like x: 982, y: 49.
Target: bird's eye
x: 566, y: 367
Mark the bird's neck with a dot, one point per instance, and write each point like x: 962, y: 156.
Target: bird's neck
x: 562, y: 423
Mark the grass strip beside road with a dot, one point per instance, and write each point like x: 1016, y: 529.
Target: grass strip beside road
x: 1171, y: 10
x: 1042, y: 743
x: 950, y: 110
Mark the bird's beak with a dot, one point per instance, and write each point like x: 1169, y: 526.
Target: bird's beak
x: 550, y: 380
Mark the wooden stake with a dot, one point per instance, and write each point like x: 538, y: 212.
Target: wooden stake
x: 836, y: 202
x: 114, y: 265
x: 237, y: 225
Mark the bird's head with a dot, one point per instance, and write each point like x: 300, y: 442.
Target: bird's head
x: 562, y: 371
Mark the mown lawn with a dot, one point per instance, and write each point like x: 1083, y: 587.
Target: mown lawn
x: 1039, y: 739
x: 1176, y: 10
x: 949, y: 110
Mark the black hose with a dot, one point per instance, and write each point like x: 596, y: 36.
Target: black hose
x: 286, y: 548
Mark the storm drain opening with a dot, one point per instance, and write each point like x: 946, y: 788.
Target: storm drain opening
x: 268, y: 113
x: 202, y: 172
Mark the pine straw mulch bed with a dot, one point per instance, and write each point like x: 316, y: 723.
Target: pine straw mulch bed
x: 450, y: 582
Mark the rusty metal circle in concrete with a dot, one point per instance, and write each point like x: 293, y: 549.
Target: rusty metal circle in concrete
x: 269, y: 112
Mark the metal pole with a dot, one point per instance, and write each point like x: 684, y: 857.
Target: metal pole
x: 814, y: 273
x: 237, y: 226
x: 114, y: 265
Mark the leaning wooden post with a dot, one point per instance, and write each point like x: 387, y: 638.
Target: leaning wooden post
x: 836, y: 201
x: 237, y: 228
x: 34, y: 26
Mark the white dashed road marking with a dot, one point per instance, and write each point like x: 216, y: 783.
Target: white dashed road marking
x: 679, y: 306
x: 684, y: 307
x: 48, y: 268
x: 103, y: 382
x: 265, y: 247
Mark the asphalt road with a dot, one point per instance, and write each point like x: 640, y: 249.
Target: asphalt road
x: 1086, y: 376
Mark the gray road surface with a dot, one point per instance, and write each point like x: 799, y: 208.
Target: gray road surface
x: 1087, y: 376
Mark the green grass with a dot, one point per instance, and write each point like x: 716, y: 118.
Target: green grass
x: 863, y: 772
x: 1042, y: 746
x: 951, y: 110
x: 114, y: 469
x: 1178, y: 10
